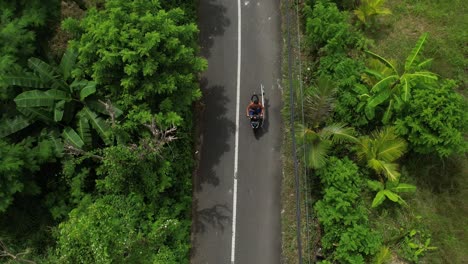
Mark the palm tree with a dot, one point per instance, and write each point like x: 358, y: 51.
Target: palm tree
x: 58, y: 100
x: 380, y: 151
x: 393, y: 85
x: 369, y: 9
x: 315, y: 140
x: 318, y: 142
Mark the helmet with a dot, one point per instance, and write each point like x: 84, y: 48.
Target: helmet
x: 254, y: 99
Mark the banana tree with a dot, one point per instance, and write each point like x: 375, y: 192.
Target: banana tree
x: 51, y: 95
x: 380, y: 151
x: 389, y: 190
x: 393, y: 86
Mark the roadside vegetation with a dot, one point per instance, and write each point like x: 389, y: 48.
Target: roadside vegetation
x: 96, y: 130
x: 384, y: 130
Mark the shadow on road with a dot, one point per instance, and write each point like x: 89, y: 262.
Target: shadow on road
x: 216, y: 129
x: 212, y: 22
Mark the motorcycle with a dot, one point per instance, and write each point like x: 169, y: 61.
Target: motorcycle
x: 256, y: 120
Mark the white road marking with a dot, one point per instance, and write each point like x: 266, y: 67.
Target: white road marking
x: 236, y: 148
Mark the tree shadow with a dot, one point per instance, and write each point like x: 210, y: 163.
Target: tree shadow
x: 216, y: 128
x: 217, y: 217
x: 212, y: 21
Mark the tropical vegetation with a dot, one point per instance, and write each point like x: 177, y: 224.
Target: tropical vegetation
x: 380, y: 138
x: 96, y: 130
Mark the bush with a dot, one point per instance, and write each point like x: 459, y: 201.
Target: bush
x: 436, y: 120
x: 348, y: 237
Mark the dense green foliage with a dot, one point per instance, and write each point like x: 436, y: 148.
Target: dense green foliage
x: 396, y: 108
x: 344, y: 217
x: 101, y: 141
x: 437, y: 120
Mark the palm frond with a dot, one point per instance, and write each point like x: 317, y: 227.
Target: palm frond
x: 317, y: 154
x: 390, y: 170
x: 388, y: 113
x: 339, y: 133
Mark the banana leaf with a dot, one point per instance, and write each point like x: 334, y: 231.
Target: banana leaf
x: 69, y: 135
x: 11, y: 126
x: 98, y: 124
x: 36, y: 98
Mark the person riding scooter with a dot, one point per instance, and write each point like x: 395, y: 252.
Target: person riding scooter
x: 255, y: 107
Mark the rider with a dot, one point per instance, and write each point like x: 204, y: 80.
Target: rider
x: 255, y: 107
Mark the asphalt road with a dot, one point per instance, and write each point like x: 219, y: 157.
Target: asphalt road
x: 258, y: 230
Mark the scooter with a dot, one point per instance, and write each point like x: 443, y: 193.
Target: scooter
x: 256, y: 121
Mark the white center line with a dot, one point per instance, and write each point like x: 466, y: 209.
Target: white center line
x: 236, y: 148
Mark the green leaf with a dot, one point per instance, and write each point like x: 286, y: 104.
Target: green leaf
x: 54, y: 136
x: 385, y: 83
x: 378, y: 200
x: 404, y: 187
x: 10, y: 126
x: 425, y: 75
x: 98, y: 124
x: 388, y: 113
x: 84, y: 129
x: 25, y: 80
x: 48, y: 73
x: 68, y: 63
x: 58, y: 111
x: 405, y: 90
x: 37, y: 113
x: 370, y: 112
x: 99, y: 107
x: 36, y: 98
x: 414, y: 53
x: 379, y: 98
x: 425, y: 63
x: 392, y: 196
x: 384, y: 61
x: 375, y: 185
x: 70, y: 136
x: 87, y: 90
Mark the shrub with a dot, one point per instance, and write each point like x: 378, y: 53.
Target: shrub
x: 435, y: 120
x: 343, y: 215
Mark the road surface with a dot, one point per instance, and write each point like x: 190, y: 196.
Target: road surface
x: 237, y: 215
